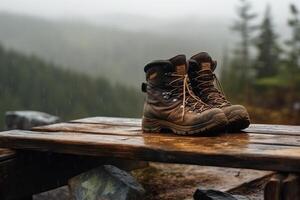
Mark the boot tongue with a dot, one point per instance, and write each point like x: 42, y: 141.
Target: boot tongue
x: 179, y: 63
x: 204, y: 61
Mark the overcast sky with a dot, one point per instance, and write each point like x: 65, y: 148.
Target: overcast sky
x: 90, y: 9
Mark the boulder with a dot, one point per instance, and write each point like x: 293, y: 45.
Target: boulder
x: 27, y: 119
x: 202, y: 194
x: 106, y: 182
x: 61, y: 193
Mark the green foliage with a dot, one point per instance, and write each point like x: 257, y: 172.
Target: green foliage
x: 271, y: 82
x: 28, y: 83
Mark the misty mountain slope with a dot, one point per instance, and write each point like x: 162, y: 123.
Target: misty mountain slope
x: 28, y: 83
x: 117, y: 54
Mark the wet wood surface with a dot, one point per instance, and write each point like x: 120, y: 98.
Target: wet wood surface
x: 266, y: 147
x: 256, y: 128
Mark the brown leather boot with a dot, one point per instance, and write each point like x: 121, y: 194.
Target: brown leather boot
x: 171, y: 103
x: 201, y: 73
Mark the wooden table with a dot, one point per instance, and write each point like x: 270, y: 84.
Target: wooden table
x: 263, y: 147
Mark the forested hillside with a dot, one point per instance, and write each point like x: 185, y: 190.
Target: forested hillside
x: 26, y: 83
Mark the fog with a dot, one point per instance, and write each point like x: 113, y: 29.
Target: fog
x: 166, y: 9
x: 97, y: 39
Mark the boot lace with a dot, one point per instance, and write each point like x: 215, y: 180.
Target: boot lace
x: 207, y: 90
x: 182, y: 88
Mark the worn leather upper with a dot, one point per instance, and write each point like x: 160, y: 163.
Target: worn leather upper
x: 165, y: 94
x: 201, y: 73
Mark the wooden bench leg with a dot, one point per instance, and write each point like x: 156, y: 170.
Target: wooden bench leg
x: 290, y: 187
x: 273, y: 187
x: 283, y: 187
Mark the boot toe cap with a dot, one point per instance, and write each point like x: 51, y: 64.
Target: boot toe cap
x: 213, y: 116
x: 235, y: 110
x: 238, y: 117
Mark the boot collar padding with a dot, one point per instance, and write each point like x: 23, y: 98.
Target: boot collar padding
x: 167, y: 65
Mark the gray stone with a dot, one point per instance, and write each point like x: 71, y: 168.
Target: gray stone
x: 203, y: 194
x: 27, y: 119
x: 61, y: 193
x: 240, y: 197
x: 105, y: 183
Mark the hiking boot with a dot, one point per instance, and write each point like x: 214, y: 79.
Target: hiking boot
x: 171, y: 103
x: 202, y: 77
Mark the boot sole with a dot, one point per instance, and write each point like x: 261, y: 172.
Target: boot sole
x: 217, y: 123
x: 238, y: 121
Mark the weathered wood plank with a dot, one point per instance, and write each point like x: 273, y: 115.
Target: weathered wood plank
x: 284, y: 140
x: 136, y: 131
x: 91, y: 128
x: 254, y: 128
x: 274, y: 129
x: 111, y: 121
x: 229, y: 139
x: 214, y: 151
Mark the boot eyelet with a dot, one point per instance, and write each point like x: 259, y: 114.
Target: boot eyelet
x: 174, y: 100
x: 166, y: 93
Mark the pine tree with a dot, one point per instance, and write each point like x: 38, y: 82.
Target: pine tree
x: 268, y: 57
x: 243, y: 26
x: 240, y: 72
x: 291, y: 71
x: 294, y: 42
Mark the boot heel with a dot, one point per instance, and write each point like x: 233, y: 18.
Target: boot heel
x: 150, y: 125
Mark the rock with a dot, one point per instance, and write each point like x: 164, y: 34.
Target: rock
x: 240, y: 197
x: 61, y: 193
x: 201, y: 194
x: 106, y: 182
x: 27, y: 119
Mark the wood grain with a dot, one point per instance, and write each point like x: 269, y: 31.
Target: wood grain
x: 274, y: 129
x: 254, y: 128
x: 91, y: 128
x: 268, y: 147
x: 110, y: 121
x: 105, y: 129
x: 214, y: 151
